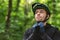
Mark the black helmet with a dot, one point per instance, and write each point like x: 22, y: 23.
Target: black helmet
x: 40, y: 6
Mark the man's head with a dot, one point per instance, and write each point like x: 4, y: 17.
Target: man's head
x: 41, y: 12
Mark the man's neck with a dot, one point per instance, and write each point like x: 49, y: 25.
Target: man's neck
x: 44, y: 23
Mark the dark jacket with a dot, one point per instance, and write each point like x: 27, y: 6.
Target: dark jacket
x: 51, y: 33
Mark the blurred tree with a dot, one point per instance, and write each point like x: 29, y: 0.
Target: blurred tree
x: 26, y: 13
x: 8, y: 19
x: 54, y: 6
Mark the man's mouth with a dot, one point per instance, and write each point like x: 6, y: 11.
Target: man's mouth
x: 39, y: 17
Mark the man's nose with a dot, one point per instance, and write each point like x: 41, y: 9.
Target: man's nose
x: 38, y: 13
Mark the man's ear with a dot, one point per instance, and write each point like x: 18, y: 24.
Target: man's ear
x: 47, y: 17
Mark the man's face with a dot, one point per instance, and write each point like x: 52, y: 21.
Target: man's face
x: 40, y: 14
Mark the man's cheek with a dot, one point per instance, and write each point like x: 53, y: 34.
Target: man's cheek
x: 41, y: 15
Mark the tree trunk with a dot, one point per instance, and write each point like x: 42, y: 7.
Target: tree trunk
x: 17, y: 9
x: 8, y: 19
x: 17, y: 6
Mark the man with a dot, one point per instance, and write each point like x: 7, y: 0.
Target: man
x: 41, y: 30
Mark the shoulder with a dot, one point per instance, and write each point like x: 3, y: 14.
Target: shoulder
x: 57, y: 31
x: 57, y: 35
x: 28, y: 32
x: 53, y: 30
x: 52, y: 27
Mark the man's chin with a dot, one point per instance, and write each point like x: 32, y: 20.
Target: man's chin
x: 39, y: 21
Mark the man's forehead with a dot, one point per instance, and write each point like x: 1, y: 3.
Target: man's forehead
x: 40, y: 9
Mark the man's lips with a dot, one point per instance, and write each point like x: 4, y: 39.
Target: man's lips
x: 38, y: 17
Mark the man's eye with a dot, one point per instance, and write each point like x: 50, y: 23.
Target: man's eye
x: 41, y: 11
x: 36, y: 12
